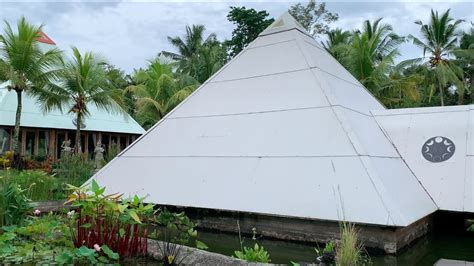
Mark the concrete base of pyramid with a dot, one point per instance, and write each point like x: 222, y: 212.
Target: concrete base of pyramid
x: 390, y: 240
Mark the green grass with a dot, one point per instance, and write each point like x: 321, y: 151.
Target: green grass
x: 39, y: 185
x: 349, y: 250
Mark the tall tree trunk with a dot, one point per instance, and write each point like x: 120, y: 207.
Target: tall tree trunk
x: 16, y: 132
x: 78, y: 134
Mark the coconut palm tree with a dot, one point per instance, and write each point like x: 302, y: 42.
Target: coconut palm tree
x: 335, y: 37
x: 157, y: 90
x: 193, y: 40
x: 197, y: 56
x: 25, y: 66
x: 370, y: 53
x: 337, y: 42
x: 82, y: 83
x: 439, y: 41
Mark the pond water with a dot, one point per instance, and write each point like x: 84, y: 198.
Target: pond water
x: 454, y: 245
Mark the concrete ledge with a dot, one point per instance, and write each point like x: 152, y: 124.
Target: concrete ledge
x: 50, y: 206
x: 390, y: 240
x: 194, y: 256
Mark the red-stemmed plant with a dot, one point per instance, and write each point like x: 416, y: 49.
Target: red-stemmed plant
x: 98, y: 219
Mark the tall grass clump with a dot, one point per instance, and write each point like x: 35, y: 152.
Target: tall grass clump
x: 14, y: 203
x: 73, y: 169
x: 349, y: 250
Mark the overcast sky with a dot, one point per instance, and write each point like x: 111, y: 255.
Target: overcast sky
x: 128, y: 34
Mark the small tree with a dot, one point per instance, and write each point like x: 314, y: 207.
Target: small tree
x: 83, y: 82
x: 25, y: 66
x: 249, y: 23
x: 439, y: 40
x: 314, y: 17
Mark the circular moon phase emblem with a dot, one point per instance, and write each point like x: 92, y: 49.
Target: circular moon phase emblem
x: 438, y: 149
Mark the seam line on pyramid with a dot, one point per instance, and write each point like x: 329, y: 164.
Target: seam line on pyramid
x: 269, y: 44
x: 157, y: 124
x: 259, y: 156
x: 469, y: 116
x: 352, y: 142
x: 337, y: 62
x: 387, y: 112
x: 387, y: 136
x: 290, y: 71
x: 284, y: 72
x: 266, y: 111
x: 280, y: 31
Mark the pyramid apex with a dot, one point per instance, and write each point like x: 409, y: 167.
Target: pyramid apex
x: 284, y: 23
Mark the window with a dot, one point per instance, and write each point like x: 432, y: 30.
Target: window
x: 30, y: 143
x: 72, y: 137
x: 106, y: 141
x: 60, y: 138
x: 83, y: 142
x: 43, y: 142
x: 123, y: 142
x: 5, y: 138
x: 91, y: 144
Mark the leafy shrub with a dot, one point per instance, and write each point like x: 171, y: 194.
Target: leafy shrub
x: 255, y: 254
x: 327, y: 254
x: 121, y: 224
x: 113, y: 151
x: 13, y: 203
x: 73, y: 169
x: 6, y: 160
x: 38, y: 185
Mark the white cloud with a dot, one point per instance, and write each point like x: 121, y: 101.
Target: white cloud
x: 129, y: 33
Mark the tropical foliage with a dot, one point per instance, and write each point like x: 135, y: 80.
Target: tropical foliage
x: 82, y: 82
x: 439, y: 42
x: 25, y: 65
x: 197, y: 56
x: 157, y: 90
x: 314, y: 17
x: 248, y: 25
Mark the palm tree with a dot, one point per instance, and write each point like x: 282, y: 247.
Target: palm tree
x: 371, y: 53
x: 211, y: 57
x: 193, y: 40
x: 157, y: 90
x: 336, y: 37
x: 198, y: 56
x: 82, y: 83
x: 439, y: 40
x: 337, y: 42
x: 25, y: 66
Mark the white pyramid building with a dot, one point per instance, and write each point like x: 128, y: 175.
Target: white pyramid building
x: 283, y: 130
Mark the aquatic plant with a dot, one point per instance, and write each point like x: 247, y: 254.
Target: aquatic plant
x: 327, y: 254
x: 254, y: 254
x: 37, y: 241
x: 121, y: 224
x: 349, y: 250
x: 257, y: 253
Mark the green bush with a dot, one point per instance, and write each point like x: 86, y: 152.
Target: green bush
x: 254, y: 254
x: 73, y: 169
x: 13, y: 204
x: 114, y: 150
x: 38, y: 185
x: 349, y: 250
